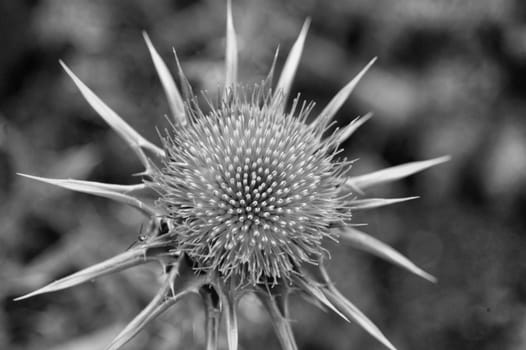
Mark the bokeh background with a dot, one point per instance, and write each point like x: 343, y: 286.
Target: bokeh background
x: 450, y: 79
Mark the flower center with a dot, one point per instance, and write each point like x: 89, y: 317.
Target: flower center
x: 255, y: 188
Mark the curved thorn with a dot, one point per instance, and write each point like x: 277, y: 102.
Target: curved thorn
x: 270, y: 76
x: 349, y: 129
x: 119, y: 193
x: 367, y: 243
x: 160, y: 303
x: 231, y: 50
x: 291, y: 65
x: 339, y: 99
x: 394, y: 173
x: 117, y: 263
x: 136, y: 141
x: 279, y: 322
x: 175, y: 101
x: 353, y: 313
x: 311, y: 288
x: 371, y: 203
x: 186, y: 87
x: 154, y: 309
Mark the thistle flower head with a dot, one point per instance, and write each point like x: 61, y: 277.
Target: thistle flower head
x: 245, y: 197
x: 255, y: 188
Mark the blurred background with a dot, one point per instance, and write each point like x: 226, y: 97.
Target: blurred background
x: 450, y: 79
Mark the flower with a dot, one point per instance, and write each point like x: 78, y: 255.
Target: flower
x: 245, y: 196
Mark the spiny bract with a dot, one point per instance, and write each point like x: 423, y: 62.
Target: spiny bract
x: 244, y: 196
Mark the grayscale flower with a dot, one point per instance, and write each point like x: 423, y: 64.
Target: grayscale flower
x: 244, y: 198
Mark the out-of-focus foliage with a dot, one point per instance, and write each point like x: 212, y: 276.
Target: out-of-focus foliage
x: 449, y: 80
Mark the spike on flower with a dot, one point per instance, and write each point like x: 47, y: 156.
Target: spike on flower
x: 246, y: 196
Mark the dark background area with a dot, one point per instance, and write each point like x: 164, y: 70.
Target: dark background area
x: 450, y: 79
